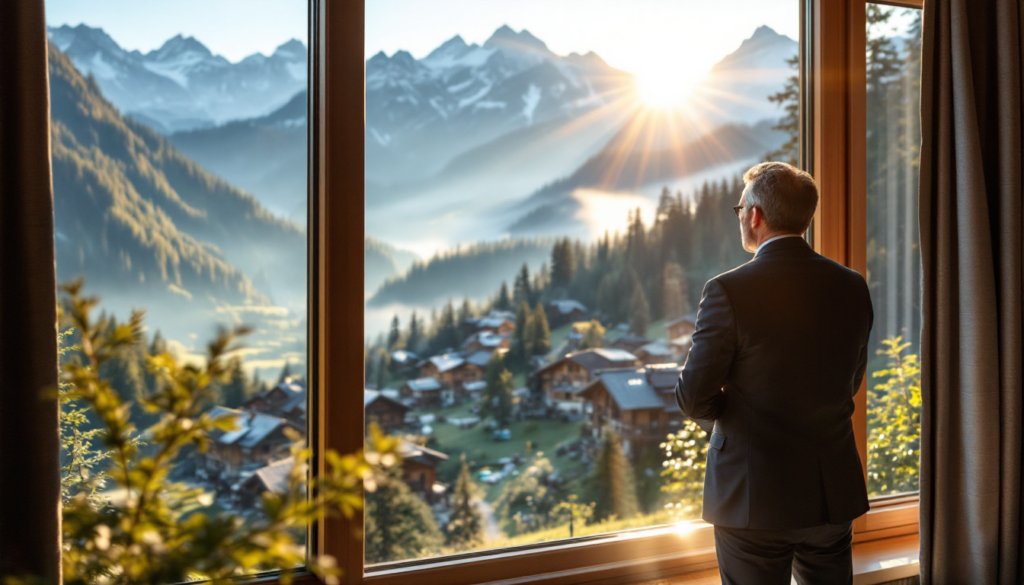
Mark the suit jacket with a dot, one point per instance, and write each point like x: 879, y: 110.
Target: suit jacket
x: 778, y: 353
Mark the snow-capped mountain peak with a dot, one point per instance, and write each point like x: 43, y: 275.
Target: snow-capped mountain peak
x: 183, y: 85
x: 292, y: 50
x: 179, y: 47
x: 523, y: 41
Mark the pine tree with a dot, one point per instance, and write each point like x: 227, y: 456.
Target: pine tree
x: 236, y: 390
x: 563, y: 264
x: 612, y: 480
x: 448, y: 332
x: 465, y: 525
x: 639, y: 312
x: 465, y: 314
x: 674, y: 301
x: 522, y: 346
x: 788, y: 98
x: 504, y: 302
x: 415, y: 337
x: 399, y: 525
x: 498, y: 392
x: 286, y: 372
x: 522, y: 291
x: 394, y: 334
x: 540, y: 340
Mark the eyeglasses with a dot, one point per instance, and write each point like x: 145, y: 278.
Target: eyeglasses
x: 737, y: 209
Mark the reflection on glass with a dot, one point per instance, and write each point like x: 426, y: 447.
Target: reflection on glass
x: 179, y: 162
x: 894, y: 264
x: 543, y: 204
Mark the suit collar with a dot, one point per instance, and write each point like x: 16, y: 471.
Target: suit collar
x: 783, y: 246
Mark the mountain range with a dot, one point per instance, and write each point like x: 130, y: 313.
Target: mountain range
x: 150, y: 228
x: 182, y: 85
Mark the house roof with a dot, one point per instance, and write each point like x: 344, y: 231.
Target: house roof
x: 371, y: 396
x: 657, y: 348
x: 480, y: 358
x: 401, y: 357
x: 628, y: 387
x: 274, y: 477
x: 603, y: 357
x: 252, y: 428
x: 424, y: 384
x: 567, y: 306
x: 495, y: 319
x: 663, y: 376
x: 410, y: 450
x: 596, y: 359
x: 690, y: 318
x: 474, y: 386
x: 447, y: 361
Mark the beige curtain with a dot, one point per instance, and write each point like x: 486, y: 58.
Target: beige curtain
x: 971, y: 224
x: 29, y: 440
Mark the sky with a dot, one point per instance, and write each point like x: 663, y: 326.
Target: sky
x: 232, y: 28
x: 626, y: 33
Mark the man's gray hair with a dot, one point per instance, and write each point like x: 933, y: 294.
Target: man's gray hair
x: 786, y: 195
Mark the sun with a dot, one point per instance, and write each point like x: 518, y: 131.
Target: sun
x: 666, y: 85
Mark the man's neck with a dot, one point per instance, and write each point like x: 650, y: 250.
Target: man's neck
x: 774, y: 236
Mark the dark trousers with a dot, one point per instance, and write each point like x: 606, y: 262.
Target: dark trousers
x: 816, y: 555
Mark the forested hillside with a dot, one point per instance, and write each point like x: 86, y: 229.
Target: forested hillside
x: 474, y: 271
x: 151, y: 228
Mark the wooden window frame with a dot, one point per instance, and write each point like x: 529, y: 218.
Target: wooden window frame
x: 832, y: 49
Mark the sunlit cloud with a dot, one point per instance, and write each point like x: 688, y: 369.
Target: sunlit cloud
x: 608, y: 211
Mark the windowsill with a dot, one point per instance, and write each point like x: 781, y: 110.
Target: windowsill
x: 885, y: 550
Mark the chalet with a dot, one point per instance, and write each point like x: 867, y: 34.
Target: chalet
x: 271, y: 478
x: 404, y: 361
x: 560, y: 380
x: 500, y: 322
x: 387, y: 412
x: 682, y: 327
x: 629, y: 342
x: 485, y: 341
x: 256, y: 440
x: 419, y: 470
x: 422, y: 391
x: 638, y: 403
x: 451, y: 370
x: 565, y: 311
x: 656, y: 352
x: 475, y: 387
x: 286, y: 400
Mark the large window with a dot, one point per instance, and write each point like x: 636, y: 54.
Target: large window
x: 893, y: 254
x: 543, y: 204
x: 179, y: 165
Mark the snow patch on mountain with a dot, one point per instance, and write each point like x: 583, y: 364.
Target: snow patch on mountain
x: 530, y: 101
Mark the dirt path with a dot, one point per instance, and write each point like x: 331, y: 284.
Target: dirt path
x: 491, y: 529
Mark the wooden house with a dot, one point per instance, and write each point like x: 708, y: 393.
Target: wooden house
x: 422, y: 391
x: 419, y: 470
x: 562, y: 379
x: 387, y: 412
x: 638, y: 403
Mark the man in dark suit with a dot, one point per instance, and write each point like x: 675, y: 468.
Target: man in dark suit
x: 778, y: 353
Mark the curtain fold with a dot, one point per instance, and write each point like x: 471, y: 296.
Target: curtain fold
x: 971, y: 223
x: 29, y: 437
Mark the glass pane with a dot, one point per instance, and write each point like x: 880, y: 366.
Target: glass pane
x: 548, y: 186
x: 894, y: 262
x: 179, y: 168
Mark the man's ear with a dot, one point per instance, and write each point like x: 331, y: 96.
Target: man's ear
x: 756, y: 217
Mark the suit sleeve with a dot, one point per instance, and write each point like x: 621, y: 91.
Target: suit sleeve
x: 862, y: 363
x: 699, y: 388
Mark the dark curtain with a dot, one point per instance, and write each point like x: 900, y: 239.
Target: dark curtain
x: 971, y: 226
x: 29, y: 438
